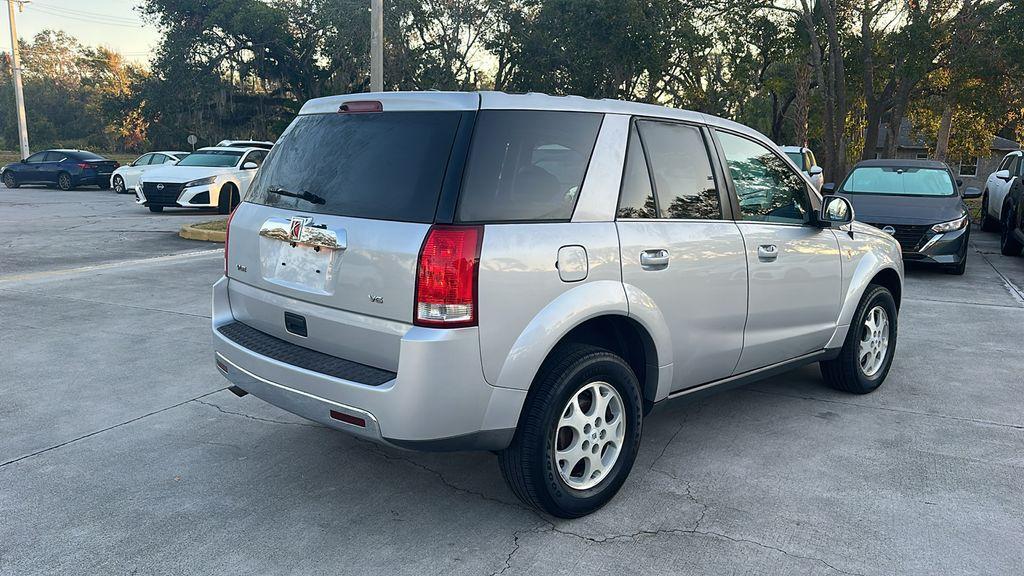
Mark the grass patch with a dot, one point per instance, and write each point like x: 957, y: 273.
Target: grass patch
x: 215, y: 225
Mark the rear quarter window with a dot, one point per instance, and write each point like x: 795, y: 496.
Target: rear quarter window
x: 526, y: 165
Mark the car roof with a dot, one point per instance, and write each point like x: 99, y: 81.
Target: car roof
x: 901, y: 163
x: 231, y: 148
x: 484, y: 100
x: 167, y: 152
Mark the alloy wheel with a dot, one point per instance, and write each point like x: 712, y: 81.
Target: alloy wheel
x: 874, y: 341
x: 64, y: 182
x: 118, y: 185
x: 589, y: 435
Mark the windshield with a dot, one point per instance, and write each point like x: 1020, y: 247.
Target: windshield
x: 385, y: 166
x: 897, y: 180
x: 212, y: 158
x: 797, y: 159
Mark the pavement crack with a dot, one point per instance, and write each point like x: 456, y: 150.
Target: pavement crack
x: 511, y: 553
x: 108, y: 428
x: 257, y: 418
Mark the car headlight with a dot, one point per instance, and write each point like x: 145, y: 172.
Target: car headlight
x: 201, y: 182
x: 951, y: 225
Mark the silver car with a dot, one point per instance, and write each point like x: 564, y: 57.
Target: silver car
x: 530, y: 275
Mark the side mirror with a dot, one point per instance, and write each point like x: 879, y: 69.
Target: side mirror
x: 250, y: 166
x: 815, y: 170
x: 971, y: 192
x: 828, y: 188
x: 24, y: 160
x: 1003, y: 175
x: 835, y: 211
x: 959, y: 182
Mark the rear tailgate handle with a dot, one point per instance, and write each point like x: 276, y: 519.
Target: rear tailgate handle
x: 302, y: 231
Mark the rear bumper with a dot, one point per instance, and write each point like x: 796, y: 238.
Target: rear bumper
x: 949, y: 248
x: 438, y: 399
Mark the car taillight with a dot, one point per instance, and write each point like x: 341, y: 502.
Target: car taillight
x: 84, y: 166
x: 446, y: 277
x: 227, y: 237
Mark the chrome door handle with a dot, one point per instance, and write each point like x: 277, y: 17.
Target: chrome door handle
x: 654, y: 259
x: 767, y: 252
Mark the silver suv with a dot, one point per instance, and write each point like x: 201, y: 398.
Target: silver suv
x: 531, y: 274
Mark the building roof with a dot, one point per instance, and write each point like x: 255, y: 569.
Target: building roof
x: 918, y: 142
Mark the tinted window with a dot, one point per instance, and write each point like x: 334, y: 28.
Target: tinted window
x: 896, y: 180
x: 636, y: 199
x: 526, y: 165
x: 767, y: 188
x: 54, y: 156
x: 683, y: 181
x: 157, y: 159
x: 256, y: 156
x: 212, y: 158
x: 82, y: 155
x: 387, y: 166
x: 797, y: 159
x: 35, y: 158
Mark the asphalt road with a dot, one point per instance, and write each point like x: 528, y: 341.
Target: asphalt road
x: 122, y: 453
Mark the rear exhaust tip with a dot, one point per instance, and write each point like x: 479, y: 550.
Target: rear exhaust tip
x: 237, y: 391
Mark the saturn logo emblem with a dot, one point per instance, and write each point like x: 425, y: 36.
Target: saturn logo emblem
x: 159, y: 186
x: 889, y: 230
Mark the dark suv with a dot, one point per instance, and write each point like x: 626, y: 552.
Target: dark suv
x: 67, y: 169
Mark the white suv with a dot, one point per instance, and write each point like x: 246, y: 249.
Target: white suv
x: 996, y: 188
x: 530, y: 274
x: 214, y: 177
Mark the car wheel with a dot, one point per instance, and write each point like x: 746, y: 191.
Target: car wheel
x: 156, y: 208
x: 867, y: 353
x: 988, y: 223
x: 1008, y: 244
x: 10, y: 180
x: 227, y: 199
x: 958, y: 269
x: 64, y: 181
x: 119, y: 185
x: 578, y: 434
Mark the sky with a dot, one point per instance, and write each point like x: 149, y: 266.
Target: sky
x: 111, y: 23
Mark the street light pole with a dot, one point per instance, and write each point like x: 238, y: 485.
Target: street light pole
x: 376, y: 45
x: 19, y: 93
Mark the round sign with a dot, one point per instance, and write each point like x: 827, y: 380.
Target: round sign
x: 192, y: 139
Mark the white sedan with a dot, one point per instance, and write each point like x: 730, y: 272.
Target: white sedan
x: 125, y: 178
x: 214, y: 177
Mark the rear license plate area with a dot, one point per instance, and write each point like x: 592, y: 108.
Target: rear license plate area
x: 297, y: 266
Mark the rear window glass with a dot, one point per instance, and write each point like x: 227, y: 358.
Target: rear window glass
x: 212, y: 158
x: 86, y: 156
x: 526, y: 165
x: 384, y: 166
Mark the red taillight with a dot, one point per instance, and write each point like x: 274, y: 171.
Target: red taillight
x: 361, y: 106
x: 84, y: 165
x: 227, y: 237
x: 446, y: 277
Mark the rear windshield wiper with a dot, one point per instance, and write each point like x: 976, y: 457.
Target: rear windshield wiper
x: 304, y: 195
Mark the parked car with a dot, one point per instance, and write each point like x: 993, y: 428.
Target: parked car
x: 246, y: 144
x: 1011, y: 230
x: 207, y: 178
x: 997, y: 186
x: 68, y: 169
x: 530, y: 274
x: 805, y: 161
x: 126, y: 178
x: 918, y: 202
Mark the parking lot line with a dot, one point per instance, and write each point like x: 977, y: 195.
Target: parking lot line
x: 121, y: 264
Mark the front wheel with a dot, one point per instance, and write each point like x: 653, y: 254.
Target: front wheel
x: 156, y: 208
x: 119, y: 185
x: 1008, y: 244
x: 227, y: 199
x: 64, y: 181
x: 867, y: 353
x: 10, y: 180
x: 578, y: 434
x: 988, y: 223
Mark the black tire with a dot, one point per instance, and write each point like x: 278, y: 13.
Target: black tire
x: 64, y: 182
x: 10, y: 180
x: 845, y: 372
x: 528, y: 464
x: 227, y: 199
x: 119, y: 185
x: 1008, y: 244
x: 103, y: 185
x: 156, y: 208
x: 988, y: 223
x: 958, y: 269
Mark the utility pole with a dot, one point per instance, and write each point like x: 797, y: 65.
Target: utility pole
x: 19, y: 93
x: 376, y: 45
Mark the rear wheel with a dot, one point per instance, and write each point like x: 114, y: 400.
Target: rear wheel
x: 988, y: 223
x: 867, y: 353
x: 10, y: 180
x: 1008, y: 243
x: 578, y: 434
x: 156, y: 208
x: 119, y: 185
x: 64, y: 181
x: 227, y: 199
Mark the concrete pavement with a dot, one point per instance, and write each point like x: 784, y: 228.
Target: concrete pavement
x: 121, y: 452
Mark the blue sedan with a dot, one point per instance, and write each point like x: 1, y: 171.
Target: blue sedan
x: 65, y: 168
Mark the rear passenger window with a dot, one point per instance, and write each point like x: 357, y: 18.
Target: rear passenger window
x: 767, y: 188
x: 684, y: 183
x: 637, y: 196
x: 526, y: 165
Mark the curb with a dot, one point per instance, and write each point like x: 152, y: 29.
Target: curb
x: 190, y: 232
